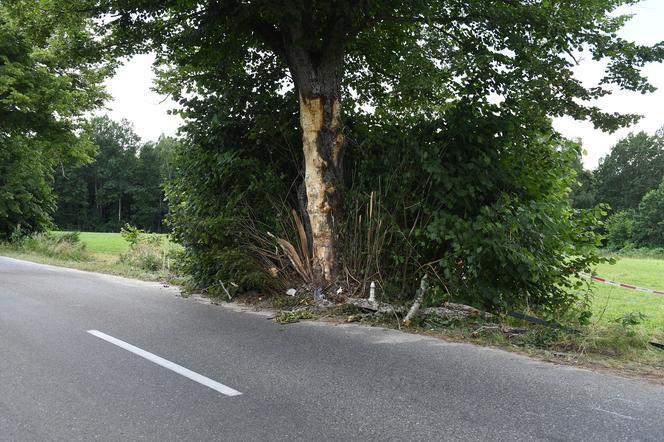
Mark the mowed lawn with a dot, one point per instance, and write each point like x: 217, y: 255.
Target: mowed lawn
x: 610, y: 303
x: 104, y: 242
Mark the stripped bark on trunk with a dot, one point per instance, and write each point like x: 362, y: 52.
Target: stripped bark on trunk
x: 313, y: 44
x: 317, y: 77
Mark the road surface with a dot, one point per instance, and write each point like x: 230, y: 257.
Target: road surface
x: 85, y: 356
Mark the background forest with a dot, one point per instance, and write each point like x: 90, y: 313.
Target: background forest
x: 124, y: 183
x: 629, y: 182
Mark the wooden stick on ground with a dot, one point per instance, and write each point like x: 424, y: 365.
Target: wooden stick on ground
x: 424, y: 285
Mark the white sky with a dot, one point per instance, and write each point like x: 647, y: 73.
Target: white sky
x: 147, y: 110
x: 133, y: 100
x: 646, y: 27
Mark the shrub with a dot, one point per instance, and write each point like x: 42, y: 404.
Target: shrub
x: 641, y: 252
x: 63, y: 246
x: 476, y: 200
x: 150, y: 252
x: 131, y: 233
x: 480, y: 206
x: 649, y: 219
x: 620, y: 230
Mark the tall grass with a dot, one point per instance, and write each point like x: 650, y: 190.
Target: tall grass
x: 149, y: 251
x: 65, y: 246
x: 364, y: 238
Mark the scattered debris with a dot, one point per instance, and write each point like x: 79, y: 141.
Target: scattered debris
x: 558, y: 354
x: 505, y: 329
x: 376, y: 307
x: 295, y: 316
x: 451, y: 310
x: 356, y: 318
x: 657, y: 345
x: 478, y: 332
x: 228, y: 295
x: 539, y: 321
x: 291, y: 292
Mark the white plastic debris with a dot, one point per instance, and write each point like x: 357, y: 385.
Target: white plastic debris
x: 291, y: 292
x: 339, y: 290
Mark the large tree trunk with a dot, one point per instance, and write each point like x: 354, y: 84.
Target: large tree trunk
x: 323, y: 142
x: 317, y: 70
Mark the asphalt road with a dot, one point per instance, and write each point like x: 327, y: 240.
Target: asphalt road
x: 305, y: 381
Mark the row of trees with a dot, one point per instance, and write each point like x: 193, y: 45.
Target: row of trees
x: 123, y: 184
x: 630, y: 181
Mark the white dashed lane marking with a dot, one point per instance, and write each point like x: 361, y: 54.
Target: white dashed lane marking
x: 221, y: 388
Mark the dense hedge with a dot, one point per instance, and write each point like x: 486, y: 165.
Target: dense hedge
x: 477, y: 203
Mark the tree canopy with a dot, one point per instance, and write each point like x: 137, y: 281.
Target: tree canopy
x: 634, y: 166
x: 437, y: 113
x: 44, y: 93
x: 424, y: 56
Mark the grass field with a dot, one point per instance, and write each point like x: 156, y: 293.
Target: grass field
x: 104, y: 252
x: 102, y: 242
x: 105, y: 243
x: 610, y: 303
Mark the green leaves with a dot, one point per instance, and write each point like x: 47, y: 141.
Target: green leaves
x: 44, y: 93
x: 481, y: 205
x: 634, y: 166
x: 447, y: 106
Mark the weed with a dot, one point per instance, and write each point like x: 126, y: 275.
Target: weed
x: 289, y: 302
x: 131, y: 234
x: 67, y: 247
x: 630, y: 319
x: 149, y: 251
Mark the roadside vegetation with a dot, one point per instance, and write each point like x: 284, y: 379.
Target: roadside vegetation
x: 336, y: 145
x: 617, y: 337
x: 131, y: 253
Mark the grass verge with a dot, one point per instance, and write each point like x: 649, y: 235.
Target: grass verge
x: 150, y: 258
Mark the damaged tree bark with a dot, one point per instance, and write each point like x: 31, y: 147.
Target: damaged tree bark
x: 312, y: 43
x: 317, y: 75
x: 322, y: 141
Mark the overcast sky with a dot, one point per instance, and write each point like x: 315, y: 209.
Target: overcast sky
x: 133, y: 99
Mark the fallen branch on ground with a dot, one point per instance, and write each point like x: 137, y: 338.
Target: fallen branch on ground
x: 376, y: 307
x: 424, y: 285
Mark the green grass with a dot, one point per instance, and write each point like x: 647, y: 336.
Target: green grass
x: 101, y: 253
x: 104, y: 242
x: 610, y: 303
